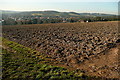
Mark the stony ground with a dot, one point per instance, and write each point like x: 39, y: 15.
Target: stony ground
x: 72, y: 44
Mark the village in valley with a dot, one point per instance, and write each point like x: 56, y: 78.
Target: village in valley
x: 43, y: 17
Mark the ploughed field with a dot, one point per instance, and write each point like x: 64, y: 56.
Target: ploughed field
x: 70, y: 44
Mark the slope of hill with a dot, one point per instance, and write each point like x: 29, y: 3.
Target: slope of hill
x: 53, y: 13
x: 73, y: 45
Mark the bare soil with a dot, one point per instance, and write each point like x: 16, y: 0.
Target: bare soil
x: 91, y: 47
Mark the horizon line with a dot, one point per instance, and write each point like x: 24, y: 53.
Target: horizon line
x: 58, y: 11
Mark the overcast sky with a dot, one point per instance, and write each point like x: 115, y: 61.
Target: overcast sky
x: 92, y: 6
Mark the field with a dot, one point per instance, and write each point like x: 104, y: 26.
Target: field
x: 87, y: 47
x: 23, y: 63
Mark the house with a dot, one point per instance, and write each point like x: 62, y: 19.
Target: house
x: 81, y: 21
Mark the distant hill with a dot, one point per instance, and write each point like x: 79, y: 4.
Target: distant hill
x: 52, y: 14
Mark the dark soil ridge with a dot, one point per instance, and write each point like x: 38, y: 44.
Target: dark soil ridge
x: 105, y: 64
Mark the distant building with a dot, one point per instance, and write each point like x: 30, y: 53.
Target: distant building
x: 1, y: 21
x: 64, y: 21
x: 81, y: 21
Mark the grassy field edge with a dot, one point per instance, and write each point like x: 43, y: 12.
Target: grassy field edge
x: 20, y: 62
